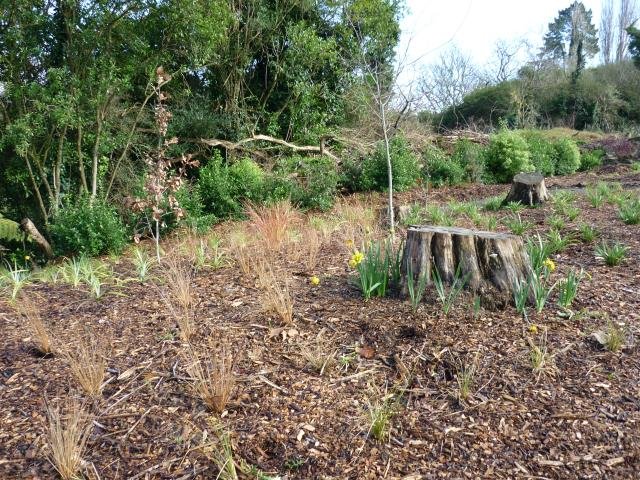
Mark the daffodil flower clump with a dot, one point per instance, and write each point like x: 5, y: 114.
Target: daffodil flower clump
x: 549, y: 265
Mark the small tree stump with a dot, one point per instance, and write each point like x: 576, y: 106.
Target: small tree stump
x: 488, y: 260
x: 528, y: 189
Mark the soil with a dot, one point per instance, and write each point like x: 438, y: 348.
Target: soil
x: 579, y: 418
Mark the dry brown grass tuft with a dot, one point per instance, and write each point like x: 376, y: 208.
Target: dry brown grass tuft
x: 357, y: 221
x: 306, y: 248
x: 179, y: 298
x: 30, y: 312
x: 67, y: 438
x: 212, y: 373
x: 88, y: 363
x: 320, y: 354
x: 271, y: 223
x: 276, y: 297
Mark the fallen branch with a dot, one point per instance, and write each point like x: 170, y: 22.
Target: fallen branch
x: 240, y: 145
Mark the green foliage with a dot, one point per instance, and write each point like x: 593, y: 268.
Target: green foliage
x: 588, y: 233
x: 629, y: 211
x: 470, y: 156
x: 309, y: 182
x: 611, y: 254
x: 224, y: 188
x: 493, y: 204
x: 416, y: 287
x: 543, y: 152
x: 10, y: 230
x: 404, y: 165
x: 567, y: 156
x: 591, y: 159
x: 448, y: 296
x: 572, y: 38
x: 540, y: 291
x: 484, y: 107
x: 87, y: 228
x: 568, y: 288
x: 517, y: 225
x: 634, y: 44
x: 508, y: 155
x: 373, y: 270
x: 538, y: 251
x: 190, y: 201
x: 440, y: 169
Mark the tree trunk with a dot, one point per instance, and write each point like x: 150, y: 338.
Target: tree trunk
x: 488, y: 261
x: 30, y: 229
x: 528, y: 189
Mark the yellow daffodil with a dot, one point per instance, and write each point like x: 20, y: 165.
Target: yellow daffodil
x: 349, y: 243
x: 549, y: 265
x: 352, y: 263
x: 357, y: 257
x: 533, y: 328
x: 27, y: 258
x: 314, y: 280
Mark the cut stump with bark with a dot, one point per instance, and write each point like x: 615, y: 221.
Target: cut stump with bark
x: 488, y: 261
x: 528, y: 189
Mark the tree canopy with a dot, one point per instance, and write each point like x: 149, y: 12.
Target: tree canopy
x: 572, y: 37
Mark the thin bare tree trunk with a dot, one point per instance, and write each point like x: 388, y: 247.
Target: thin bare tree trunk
x: 94, y: 160
x: 383, y: 119
x: 83, y: 178
x: 36, y: 191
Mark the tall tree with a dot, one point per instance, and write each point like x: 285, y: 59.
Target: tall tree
x: 571, y: 35
x: 634, y: 44
x: 627, y: 15
x: 607, y: 31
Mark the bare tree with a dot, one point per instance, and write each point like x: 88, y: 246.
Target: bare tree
x: 607, y: 31
x: 627, y: 15
x: 445, y: 83
x: 505, y: 61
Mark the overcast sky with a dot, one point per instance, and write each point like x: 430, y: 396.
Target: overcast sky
x: 474, y: 26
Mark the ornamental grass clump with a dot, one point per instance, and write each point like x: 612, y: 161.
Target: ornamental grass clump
x: 211, y: 372
x: 67, y: 436
x: 30, y: 312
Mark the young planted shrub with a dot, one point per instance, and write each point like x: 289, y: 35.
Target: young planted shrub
x: 441, y: 169
x: 309, y: 182
x: 224, y: 188
x: 470, y: 156
x: 87, y: 228
x: 567, y: 156
x: 404, y: 164
x: 543, y: 153
x: 508, y: 154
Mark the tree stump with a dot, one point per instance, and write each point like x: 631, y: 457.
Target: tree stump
x: 528, y: 189
x: 488, y: 261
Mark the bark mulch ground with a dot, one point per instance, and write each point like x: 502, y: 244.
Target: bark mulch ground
x: 578, y: 418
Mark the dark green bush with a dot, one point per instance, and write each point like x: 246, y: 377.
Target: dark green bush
x: 508, y: 155
x: 567, y: 156
x: 440, y: 169
x: 405, y: 167
x: 309, y: 182
x: 591, y: 159
x: 87, y: 228
x: 223, y: 188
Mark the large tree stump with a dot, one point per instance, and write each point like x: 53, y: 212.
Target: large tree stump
x: 489, y: 261
x: 528, y: 189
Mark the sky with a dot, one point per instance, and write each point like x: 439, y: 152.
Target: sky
x: 474, y: 26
